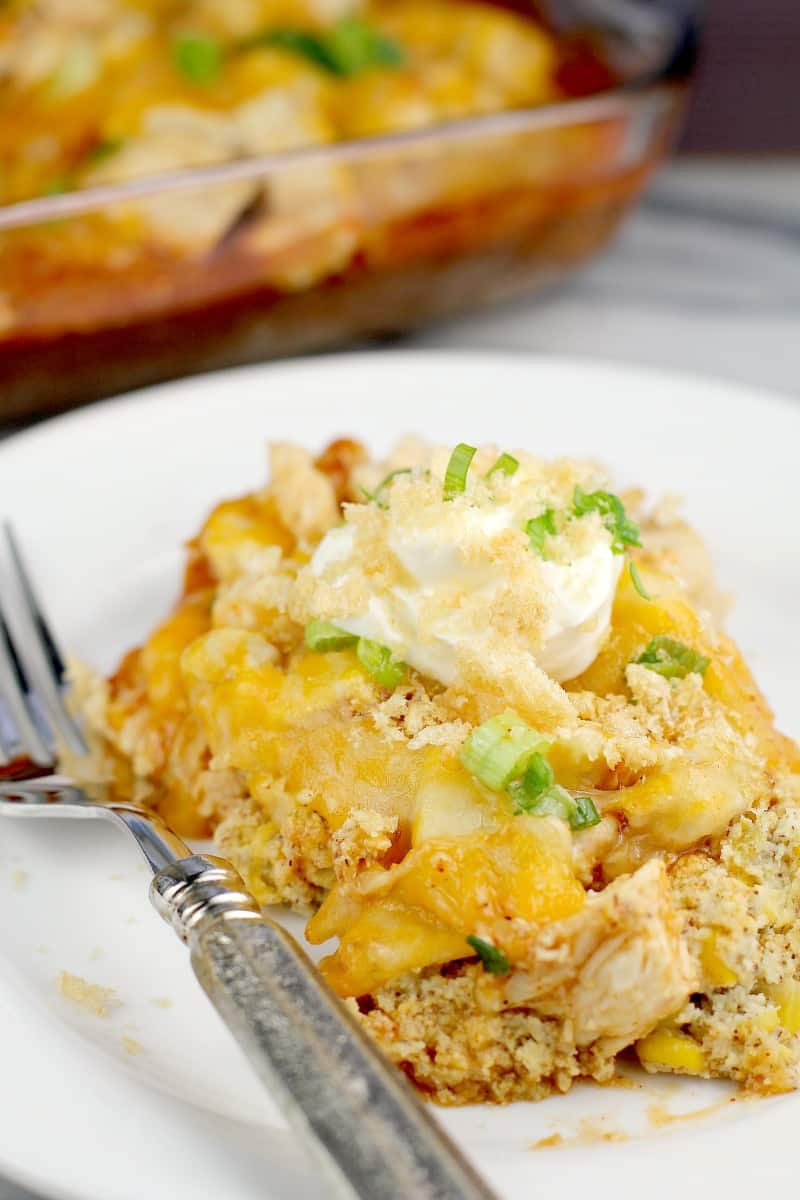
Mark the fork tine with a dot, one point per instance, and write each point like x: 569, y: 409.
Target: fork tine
x: 7, y: 735
x: 13, y: 688
x: 38, y: 650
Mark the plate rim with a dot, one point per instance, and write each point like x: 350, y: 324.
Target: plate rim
x: 181, y: 389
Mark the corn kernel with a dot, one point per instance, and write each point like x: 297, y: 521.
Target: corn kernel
x: 671, y: 1050
x: 261, y: 839
x: 768, y: 1020
x: 715, y: 969
x: 787, y: 997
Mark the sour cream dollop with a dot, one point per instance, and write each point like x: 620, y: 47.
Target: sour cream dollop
x: 450, y: 576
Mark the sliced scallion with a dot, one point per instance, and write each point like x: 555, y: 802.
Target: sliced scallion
x: 671, y: 658
x: 556, y: 801
x: 347, y: 48
x: 539, y: 528
x: 584, y: 814
x: 455, y: 477
x: 506, y: 463
x: 103, y: 149
x: 57, y: 187
x: 578, y: 811
x: 323, y: 636
x: 636, y: 580
x: 538, y: 777
x: 624, y: 532
x: 494, y: 961
x: 354, y: 46
x: 198, y: 57
x: 500, y: 749
x: 379, y: 663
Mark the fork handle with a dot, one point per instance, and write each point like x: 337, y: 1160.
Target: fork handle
x: 373, y: 1137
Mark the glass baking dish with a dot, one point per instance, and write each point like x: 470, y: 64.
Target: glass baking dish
x: 310, y: 248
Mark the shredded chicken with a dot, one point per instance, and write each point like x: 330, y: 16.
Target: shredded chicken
x: 617, y: 967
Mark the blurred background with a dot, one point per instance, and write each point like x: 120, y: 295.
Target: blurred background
x: 636, y: 223
x: 747, y: 96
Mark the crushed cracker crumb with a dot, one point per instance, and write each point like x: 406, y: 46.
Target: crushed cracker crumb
x: 91, y: 997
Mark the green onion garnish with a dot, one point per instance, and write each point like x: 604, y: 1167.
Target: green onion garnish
x: 554, y: 802
x: 505, y: 463
x: 500, y: 749
x: 672, y: 659
x: 57, y: 187
x: 374, y: 497
x: 636, y: 580
x: 455, y: 477
x: 624, y: 532
x: 378, y: 662
x: 537, y: 779
x: 103, y: 149
x: 538, y: 529
x: 297, y: 41
x: 324, y: 636
x: 578, y: 811
x: 584, y: 814
x: 198, y: 57
x: 494, y: 961
x: 354, y: 47
x: 348, y: 48
x: 505, y: 753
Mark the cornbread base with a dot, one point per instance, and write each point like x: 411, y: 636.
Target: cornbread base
x: 445, y: 1029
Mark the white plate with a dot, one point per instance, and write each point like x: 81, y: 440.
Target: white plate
x: 102, y: 499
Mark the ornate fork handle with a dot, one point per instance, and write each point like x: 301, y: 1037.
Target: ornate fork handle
x: 378, y: 1140
x: 373, y: 1138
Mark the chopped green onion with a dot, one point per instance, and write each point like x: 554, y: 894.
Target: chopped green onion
x: 672, y: 659
x: 198, y: 57
x: 57, y: 187
x: 556, y: 801
x: 354, y: 47
x: 296, y: 41
x: 578, y: 811
x: 348, y: 48
x: 538, y: 529
x: 505, y: 463
x: 378, y: 662
x: 500, y: 749
x: 505, y: 753
x: 624, y: 532
x: 584, y: 814
x: 323, y: 636
x: 636, y: 580
x: 537, y: 779
x: 494, y: 961
x: 103, y: 149
x: 374, y: 497
x: 455, y: 477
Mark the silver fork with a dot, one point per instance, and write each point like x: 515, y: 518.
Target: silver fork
x: 372, y: 1137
